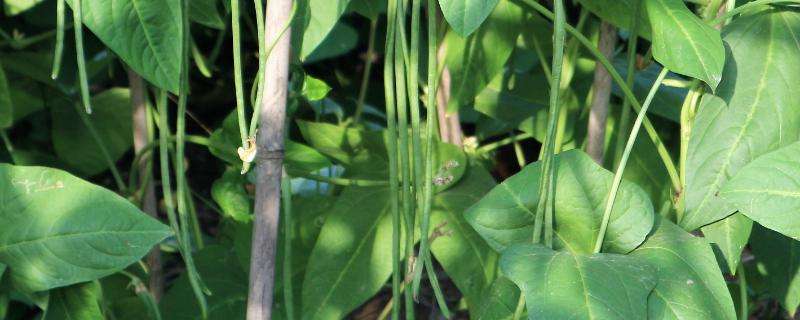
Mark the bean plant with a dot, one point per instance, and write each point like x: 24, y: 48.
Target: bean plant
x: 399, y: 159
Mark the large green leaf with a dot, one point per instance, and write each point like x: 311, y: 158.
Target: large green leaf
x: 145, y: 34
x: 618, y: 13
x: 730, y: 235
x: 779, y: 256
x: 75, y: 302
x: 59, y: 230
x: 352, y: 258
x: 15, y: 7
x: 505, y: 215
x: 466, y: 258
x: 762, y: 111
x: 6, y: 108
x: 73, y: 140
x: 563, y: 285
x: 690, y: 285
x: 315, y: 20
x: 684, y: 43
x: 464, y: 16
x: 767, y: 190
x: 340, y: 40
x: 475, y: 60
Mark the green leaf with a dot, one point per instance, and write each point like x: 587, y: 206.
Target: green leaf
x: 75, y: 302
x: 6, y: 106
x: 60, y: 230
x: 763, y: 62
x: 371, y: 9
x: 767, y: 190
x: 465, y: 257
x: 229, y: 192
x: 15, y: 7
x: 464, y: 16
x: 690, y: 285
x: 562, y: 285
x: 314, y: 89
x: 341, y: 40
x: 730, y: 235
x: 505, y: 215
x: 499, y: 302
x: 780, y: 258
x: 73, y: 141
x: 299, y: 158
x: 207, y: 13
x: 474, y: 61
x: 315, y: 20
x: 684, y: 43
x: 352, y: 258
x: 142, y: 33
x: 619, y: 13
x: 229, y: 288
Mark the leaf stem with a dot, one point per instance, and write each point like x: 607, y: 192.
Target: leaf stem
x: 103, y: 150
x: 625, y: 115
x: 744, y: 313
x: 286, y: 191
x: 344, y: 181
x: 666, y: 158
x: 489, y: 147
x: 612, y: 194
x: 237, y: 71
x: 748, y: 6
x: 362, y: 92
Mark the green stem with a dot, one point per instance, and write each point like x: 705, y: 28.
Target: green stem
x: 544, y: 208
x: 520, y: 307
x: 489, y: 147
x: 362, y: 92
x: 237, y: 71
x: 262, y: 62
x: 612, y: 194
x: 744, y: 313
x: 58, y: 52
x: 748, y: 6
x: 405, y: 160
x: 83, y: 78
x: 629, y: 78
x: 666, y: 158
x: 391, y: 146
x: 344, y: 181
x: 286, y: 192
x: 180, y: 173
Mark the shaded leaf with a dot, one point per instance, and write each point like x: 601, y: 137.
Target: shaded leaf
x: 229, y: 192
x: 207, y: 13
x: 563, y: 285
x: 75, y: 302
x: 474, y: 61
x: 779, y: 256
x: 60, y: 230
x: 73, y: 141
x: 505, y: 215
x: 6, y: 106
x: 499, y: 301
x: 619, y: 13
x: 315, y: 20
x: 342, y: 39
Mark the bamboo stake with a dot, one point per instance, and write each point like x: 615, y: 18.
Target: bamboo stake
x: 598, y: 114
x: 269, y: 161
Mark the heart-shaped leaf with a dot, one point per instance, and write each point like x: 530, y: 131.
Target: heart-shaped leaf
x: 59, y: 230
x: 563, y: 285
x: 505, y: 215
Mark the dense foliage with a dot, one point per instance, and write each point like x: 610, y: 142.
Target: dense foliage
x: 548, y: 159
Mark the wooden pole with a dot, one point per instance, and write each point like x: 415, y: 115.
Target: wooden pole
x: 269, y: 161
x: 598, y: 114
